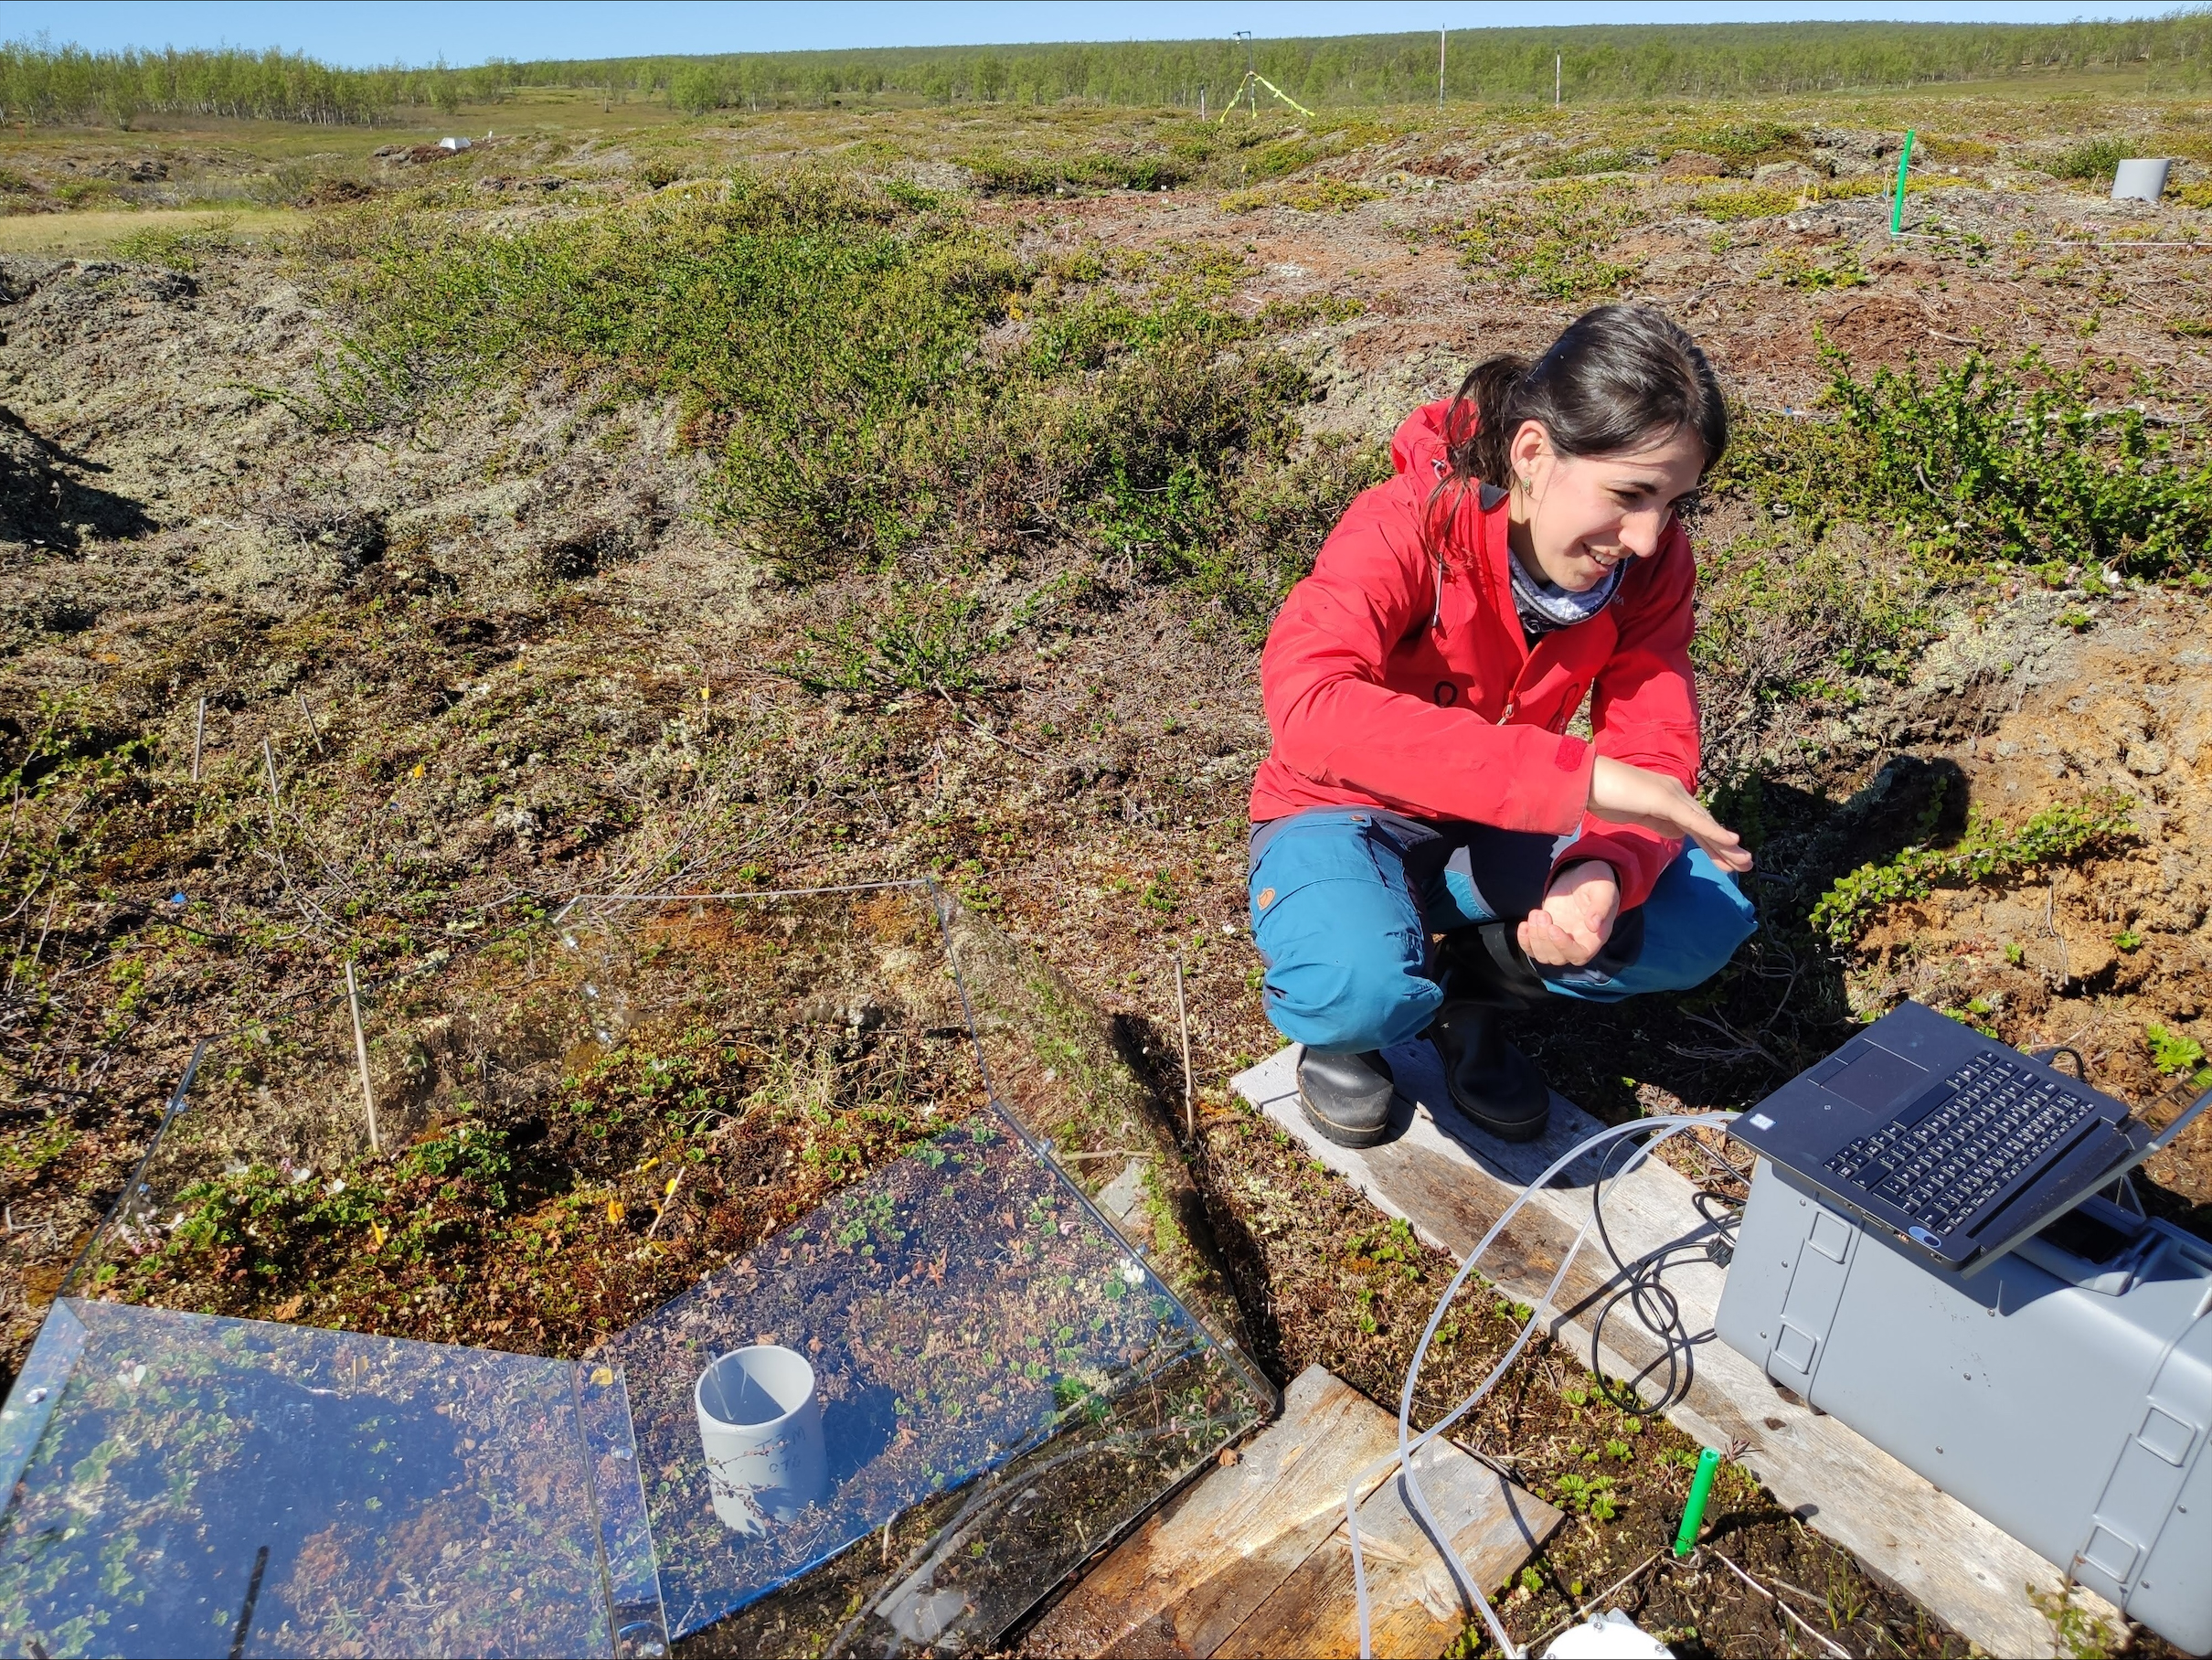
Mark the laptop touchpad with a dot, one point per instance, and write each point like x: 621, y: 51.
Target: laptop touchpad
x: 1872, y: 1078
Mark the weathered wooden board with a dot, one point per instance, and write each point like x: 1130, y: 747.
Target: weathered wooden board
x: 1417, y: 1606
x: 1242, y: 1543
x: 1186, y: 1578
x: 1451, y: 1182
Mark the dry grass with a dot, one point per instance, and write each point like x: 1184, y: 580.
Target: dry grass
x: 98, y: 231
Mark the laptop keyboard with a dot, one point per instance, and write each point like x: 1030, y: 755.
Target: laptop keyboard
x: 1939, y: 1170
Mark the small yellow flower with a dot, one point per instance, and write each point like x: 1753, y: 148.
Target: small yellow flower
x: 601, y: 1377
x: 614, y: 1210
x: 418, y: 772
x: 376, y: 1234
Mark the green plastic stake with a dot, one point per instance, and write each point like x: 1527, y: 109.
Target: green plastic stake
x: 1693, y: 1513
x: 1897, y: 207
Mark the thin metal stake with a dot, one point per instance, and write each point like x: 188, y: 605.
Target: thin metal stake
x: 1190, y: 1118
x: 368, y: 1090
x: 253, y: 1595
x: 199, y: 736
x: 268, y: 760
x: 308, y: 715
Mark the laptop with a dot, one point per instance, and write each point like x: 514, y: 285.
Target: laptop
x: 1959, y: 1147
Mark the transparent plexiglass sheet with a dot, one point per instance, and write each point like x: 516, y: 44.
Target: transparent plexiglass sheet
x: 1001, y: 1387
x: 1005, y: 1382
x: 188, y: 1485
x: 1105, y: 1109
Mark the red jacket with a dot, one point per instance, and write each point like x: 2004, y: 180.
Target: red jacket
x: 1391, y: 683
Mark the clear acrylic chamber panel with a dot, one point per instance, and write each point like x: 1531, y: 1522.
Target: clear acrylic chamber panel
x: 1003, y: 1386
x: 185, y: 1485
x: 1004, y: 1381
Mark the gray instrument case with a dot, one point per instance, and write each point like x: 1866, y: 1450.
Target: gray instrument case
x: 2063, y: 1392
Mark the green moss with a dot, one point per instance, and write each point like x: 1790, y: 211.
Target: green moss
x: 1733, y: 206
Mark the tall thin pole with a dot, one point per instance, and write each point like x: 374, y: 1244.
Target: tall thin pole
x: 1555, y: 80
x: 368, y: 1090
x: 199, y: 736
x: 1190, y: 1117
x: 1440, y: 71
x: 308, y: 716
x: 269, y: 761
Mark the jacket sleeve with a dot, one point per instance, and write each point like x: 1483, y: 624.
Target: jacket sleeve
x: 1643, y: 711
x: 1335, y: 722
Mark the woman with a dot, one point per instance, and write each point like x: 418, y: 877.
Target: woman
x: 1430, y: 849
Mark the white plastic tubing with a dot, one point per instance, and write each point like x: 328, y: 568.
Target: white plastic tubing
x: 1408, y: 1443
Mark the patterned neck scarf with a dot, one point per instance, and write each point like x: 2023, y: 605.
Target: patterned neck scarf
x: 1542, y: 608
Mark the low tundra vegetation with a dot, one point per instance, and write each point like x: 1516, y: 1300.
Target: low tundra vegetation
x: 882, y: 385
x: 1977, y: 460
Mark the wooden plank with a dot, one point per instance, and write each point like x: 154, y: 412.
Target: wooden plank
x: 1249, y: 1558
x: 1417, y: 1606
x: 1451, y: 1182
x: 1193, y: 1572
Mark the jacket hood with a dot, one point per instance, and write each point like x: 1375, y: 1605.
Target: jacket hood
x: 1419, y: 441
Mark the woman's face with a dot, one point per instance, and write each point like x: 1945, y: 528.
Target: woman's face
x: 1574, y: 517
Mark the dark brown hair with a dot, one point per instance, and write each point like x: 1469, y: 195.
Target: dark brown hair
x: 1619, y: 377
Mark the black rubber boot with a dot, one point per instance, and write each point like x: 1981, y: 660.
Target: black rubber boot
x: 1346, y: 1097
x: 1496, y: 1086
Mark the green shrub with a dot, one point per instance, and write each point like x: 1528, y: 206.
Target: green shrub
x: 2096, y: 158
x: 824, y: 337
x: 1316, y: 195
x: 1794, y: 268
x: 1284, y: 156
x: 1782, y: 621
x: 1583, y: 162
x: 1000, y: 174
x: 180, y: 247
x: 1986, y: 851
x: 1550, y: 241
x: 1744, y: 145
x: 928, y: 639
x: 1981, y: 463
x: 813, y: 328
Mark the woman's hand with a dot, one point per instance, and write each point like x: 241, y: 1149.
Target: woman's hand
x: 1577, y: 916
x: 1623, y: 794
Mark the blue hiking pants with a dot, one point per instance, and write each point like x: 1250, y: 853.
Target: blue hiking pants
x: 1344, y: 901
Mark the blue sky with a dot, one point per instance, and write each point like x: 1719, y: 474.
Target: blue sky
x: 468, y: 31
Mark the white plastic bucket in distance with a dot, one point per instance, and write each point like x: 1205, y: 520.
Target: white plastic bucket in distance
x: 2140, y: 180
x: 761, y: 1428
